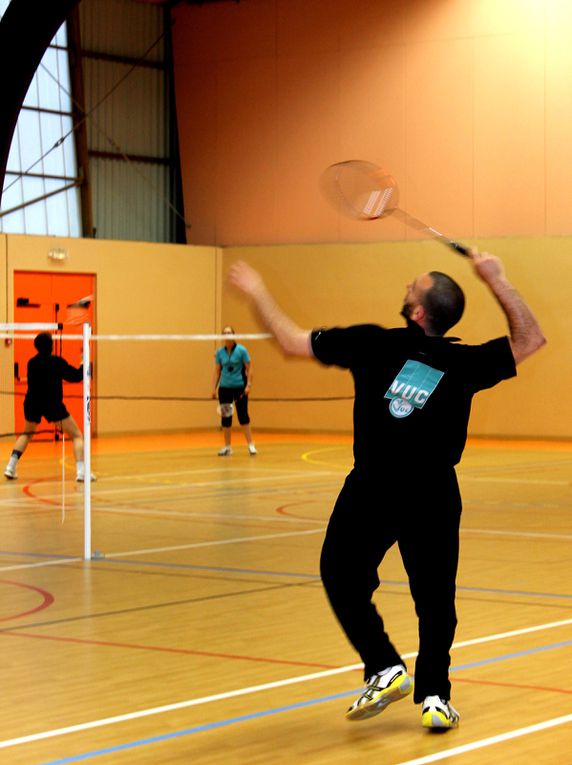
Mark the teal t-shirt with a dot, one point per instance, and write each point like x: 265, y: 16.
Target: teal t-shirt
x: 232, y: 366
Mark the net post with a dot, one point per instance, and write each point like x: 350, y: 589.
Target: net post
x: 86, y: 443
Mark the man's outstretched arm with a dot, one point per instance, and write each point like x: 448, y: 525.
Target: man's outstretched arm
x: 291, y: 339
x: 526, y: 336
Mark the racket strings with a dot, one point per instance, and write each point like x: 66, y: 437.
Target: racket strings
x: 377, y: 203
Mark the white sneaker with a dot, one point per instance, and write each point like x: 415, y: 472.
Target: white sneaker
x: 10, y: 472
x: 390, y: 685
x: 80, y: 476
x: 226, y: 451
x: 438, y: 714
x: 252, y: 450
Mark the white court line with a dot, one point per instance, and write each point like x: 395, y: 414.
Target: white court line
x: 233, y: 483
x: 218, y: 542
x: 511, y: 633
x: 508, y: 736
x: 40, y: 564
x: 526, y: 534
x: 532, y: 481
x: 190, y: 546
x: 229, y: 485
x: 254, y: 689
x: 171, y: 548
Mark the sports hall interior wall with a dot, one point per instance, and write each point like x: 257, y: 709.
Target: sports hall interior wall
x: 141, y: 288
x: 327, y: 285
x: 146, y: 288
x: 468, y: 104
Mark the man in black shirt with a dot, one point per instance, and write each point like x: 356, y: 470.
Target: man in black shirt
x: 413, y: 393
x: 44, y: 398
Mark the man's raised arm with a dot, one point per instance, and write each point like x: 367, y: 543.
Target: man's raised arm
x: 291, y: 339
x: 526, y: 337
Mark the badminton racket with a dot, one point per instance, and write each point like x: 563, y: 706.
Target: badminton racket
x: 78, y: 311
x: 364, y: 191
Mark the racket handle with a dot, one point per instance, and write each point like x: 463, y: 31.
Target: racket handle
x: 460, y: 248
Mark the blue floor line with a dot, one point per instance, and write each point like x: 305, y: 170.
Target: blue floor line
x: 284, y: 574
x: 279, y: 710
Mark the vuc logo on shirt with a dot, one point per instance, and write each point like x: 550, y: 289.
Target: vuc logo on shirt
x: 412, y: 387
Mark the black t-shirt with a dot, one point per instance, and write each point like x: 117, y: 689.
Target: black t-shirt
x: 412, y: 392
x: 45, y: 375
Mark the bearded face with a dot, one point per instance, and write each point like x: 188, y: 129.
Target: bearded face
x: 406, y: 312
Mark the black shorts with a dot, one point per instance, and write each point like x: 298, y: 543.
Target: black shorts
x: 34, y: 412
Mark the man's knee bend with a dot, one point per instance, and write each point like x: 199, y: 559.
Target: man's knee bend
x: 244, y: 420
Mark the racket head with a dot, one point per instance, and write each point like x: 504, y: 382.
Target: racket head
x: 360, y: 189
x: 78, y: 312
x: 225, y: 410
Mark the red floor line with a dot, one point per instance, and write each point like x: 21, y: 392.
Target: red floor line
x: 265, y: 660
x: 27, y: 489
x: 47, y: 600
x: 512, y: 685
x: 166, y: 649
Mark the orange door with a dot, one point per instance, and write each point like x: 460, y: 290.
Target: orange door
x: 49, y: 297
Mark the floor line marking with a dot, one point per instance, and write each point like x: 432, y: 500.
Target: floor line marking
x: 519, y: 481
x: 247, y: 691
x: 191, y: 546
x: 525, y: 534
x: 233, y: 721
x: 482, y: 743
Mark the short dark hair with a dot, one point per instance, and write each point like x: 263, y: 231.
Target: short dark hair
x: 43, y: 343
x: 444, y: 303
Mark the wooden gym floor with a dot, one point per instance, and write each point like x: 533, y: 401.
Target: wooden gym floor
x: 200, y: 633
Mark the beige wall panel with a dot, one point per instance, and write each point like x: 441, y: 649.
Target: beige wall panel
x: 297, y: 21
x: 509, y: 136
x: 371, y: 24
x: 507, y: 17
x: 197, y: 95
x: 246, y: 161
x: 485, y: 91
x: 438, y: 183
x: 144, y: 288
x: 226, y: 31
x: 141, y: 289
x: 372, y: 86
x: 558, y: 121
x: 347, y: 284
x: 436, y: 19
x: 306, y: 140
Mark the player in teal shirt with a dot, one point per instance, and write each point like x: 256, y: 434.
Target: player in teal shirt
x: 233, y: 377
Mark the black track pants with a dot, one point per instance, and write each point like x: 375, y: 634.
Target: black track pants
x: 421, y: 513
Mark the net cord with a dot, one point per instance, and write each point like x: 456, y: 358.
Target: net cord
x: 40, y: 326
x: 12, y: 336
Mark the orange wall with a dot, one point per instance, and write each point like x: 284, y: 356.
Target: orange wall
x: 141, y: 288
x: 467, y: 103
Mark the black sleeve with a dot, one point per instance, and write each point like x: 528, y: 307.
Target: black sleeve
x: 489, y: 363
x: 346, y: 347
x: 69, y: 373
